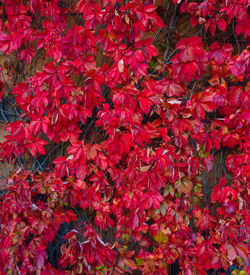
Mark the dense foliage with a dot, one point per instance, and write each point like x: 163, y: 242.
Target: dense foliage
x: 122, y: 131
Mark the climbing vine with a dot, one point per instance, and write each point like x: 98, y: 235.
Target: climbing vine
x: 122, y: 134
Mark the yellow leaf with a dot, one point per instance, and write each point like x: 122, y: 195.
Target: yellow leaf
x: 130, y: 264
x: 145, y: 168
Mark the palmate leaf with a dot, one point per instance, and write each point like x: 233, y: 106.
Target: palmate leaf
x: 127, y: 145
x: 184, y: 186
x: 190, y: 48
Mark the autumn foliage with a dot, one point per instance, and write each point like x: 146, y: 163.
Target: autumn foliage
x: 122, y: 137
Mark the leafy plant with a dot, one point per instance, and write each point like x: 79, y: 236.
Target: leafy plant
x: 132, y: 136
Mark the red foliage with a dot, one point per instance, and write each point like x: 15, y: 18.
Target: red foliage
x: 136, y: 145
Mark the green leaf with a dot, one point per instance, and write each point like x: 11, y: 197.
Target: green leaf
x: 163, y: 209
x: 139, y: 261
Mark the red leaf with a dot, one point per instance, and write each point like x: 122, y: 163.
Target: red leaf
x: 150, y: 8
x: 191, y: 48
x: 242, y: 250
x: 221, y: 24
x: 231, y: 252
x: 39, y: 261
x: 5, y: 42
